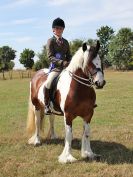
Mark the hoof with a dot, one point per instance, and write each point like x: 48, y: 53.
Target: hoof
x: 37, y: 144
x: 52, y: 137
x: 66, y: 159
x: 34, y: 141
x: 31, y: 140
x: 97, y: 157
x: 93, y: 157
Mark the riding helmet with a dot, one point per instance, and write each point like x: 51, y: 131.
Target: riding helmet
x: 58, y: 22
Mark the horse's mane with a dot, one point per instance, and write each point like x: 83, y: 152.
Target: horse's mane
x: 78, y: 60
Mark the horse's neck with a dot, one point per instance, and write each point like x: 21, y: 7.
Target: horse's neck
x: 76, y: 62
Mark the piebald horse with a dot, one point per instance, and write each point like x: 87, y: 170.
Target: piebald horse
x: 74, y: 96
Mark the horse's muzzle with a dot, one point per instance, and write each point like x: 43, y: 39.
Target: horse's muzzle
x: 99, y: 85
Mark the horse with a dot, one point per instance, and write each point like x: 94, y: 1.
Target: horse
x: 74, y: 96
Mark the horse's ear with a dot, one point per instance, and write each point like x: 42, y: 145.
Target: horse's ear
x: 98, y: 46
x: 84, y: 46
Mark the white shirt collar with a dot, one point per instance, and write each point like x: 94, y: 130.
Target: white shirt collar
x: 57, y: 37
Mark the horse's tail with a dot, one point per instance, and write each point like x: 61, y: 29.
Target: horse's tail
x: 31, y: 116
x: 31, y: 124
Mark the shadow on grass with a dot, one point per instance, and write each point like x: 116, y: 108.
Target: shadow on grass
x: 111, y: 152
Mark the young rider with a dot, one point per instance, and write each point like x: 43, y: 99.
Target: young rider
x: 58, y: 52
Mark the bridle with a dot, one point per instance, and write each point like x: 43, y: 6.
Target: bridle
x: 82, y: 80
x: 95, y: 71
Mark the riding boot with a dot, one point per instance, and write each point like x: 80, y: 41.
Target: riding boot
x: 47, y: 101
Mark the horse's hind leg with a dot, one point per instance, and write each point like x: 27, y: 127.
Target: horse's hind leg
x: 51, y: 132
x: 35, y: 139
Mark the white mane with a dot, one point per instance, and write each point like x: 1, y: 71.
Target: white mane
x: 79, y: 60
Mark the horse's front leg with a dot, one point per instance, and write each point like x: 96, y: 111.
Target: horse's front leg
x: 66, y: 154
x: 86, y: 148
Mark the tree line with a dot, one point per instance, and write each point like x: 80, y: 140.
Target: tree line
x: 116, y: 51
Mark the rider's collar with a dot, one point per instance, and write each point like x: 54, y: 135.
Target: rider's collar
x: 57, y: 37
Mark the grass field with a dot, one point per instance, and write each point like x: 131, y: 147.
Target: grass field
x: 111, y: 128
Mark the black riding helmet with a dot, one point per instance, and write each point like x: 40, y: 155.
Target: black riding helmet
x: 58, y: 22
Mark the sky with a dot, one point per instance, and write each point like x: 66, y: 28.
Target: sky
x: 27, y: 23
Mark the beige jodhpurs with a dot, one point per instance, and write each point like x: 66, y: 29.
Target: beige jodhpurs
x: 50, y: 78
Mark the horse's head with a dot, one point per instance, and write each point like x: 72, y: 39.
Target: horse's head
x: 92, y: 64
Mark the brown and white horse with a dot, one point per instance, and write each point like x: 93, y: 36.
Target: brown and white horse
x: 74, y: 96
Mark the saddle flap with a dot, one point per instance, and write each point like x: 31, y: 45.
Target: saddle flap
x: 53, y: 88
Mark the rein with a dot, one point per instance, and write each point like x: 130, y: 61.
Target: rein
x: 82, y: 80
x: 90, y: 80
x: 78, y: 79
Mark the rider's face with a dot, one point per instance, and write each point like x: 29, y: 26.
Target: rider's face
x: 58, y: 31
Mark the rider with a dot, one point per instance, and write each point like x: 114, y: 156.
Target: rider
x: 58, y: 52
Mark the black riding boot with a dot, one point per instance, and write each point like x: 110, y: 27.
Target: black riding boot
x: 47, y: 101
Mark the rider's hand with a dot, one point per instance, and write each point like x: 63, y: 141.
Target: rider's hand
x: 65, y: 63
x: 59, y: 63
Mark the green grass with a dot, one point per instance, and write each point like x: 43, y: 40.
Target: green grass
x: 111, y: 128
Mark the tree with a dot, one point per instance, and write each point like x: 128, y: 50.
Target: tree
x: 121, y: 48
x: 26, y: 58
x: 11, y: 65
x: 6, y: 55
x: 91, y: 41
x: 37, y: 66
x: 43, y: 61
x: 74, y: 45
x: 130, y: 66
x: 105, y: 34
